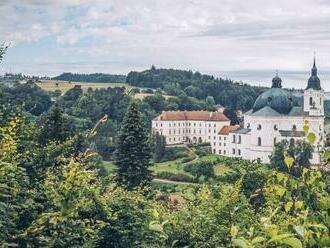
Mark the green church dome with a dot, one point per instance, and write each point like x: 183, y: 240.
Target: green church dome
x: 276, y: 98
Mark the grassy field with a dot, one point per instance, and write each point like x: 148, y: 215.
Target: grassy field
x: 63, y: 86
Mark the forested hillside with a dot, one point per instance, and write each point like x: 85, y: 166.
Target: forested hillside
x: 177, y: 82
x: 95, y: 77
x: 56, y: 190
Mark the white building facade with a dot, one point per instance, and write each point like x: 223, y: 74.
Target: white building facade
x: 276, y: 115
x: 179, y: 127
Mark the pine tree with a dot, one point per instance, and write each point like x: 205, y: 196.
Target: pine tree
x: 55, y: 126
x: 159, y: 147
x: 132, y: 156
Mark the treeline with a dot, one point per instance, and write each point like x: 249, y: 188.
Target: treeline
x: 93, y: 78
x: 180, y: 82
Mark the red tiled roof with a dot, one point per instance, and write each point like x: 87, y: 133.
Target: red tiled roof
x: 225, y: 130
x: 191, y: 115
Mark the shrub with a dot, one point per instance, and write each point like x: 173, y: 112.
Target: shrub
x: 174, y: 153
x: 174, y: 177
x: 187, y: 159
x: 200, y: 169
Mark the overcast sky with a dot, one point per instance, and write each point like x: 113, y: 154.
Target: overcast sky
x: 245, y: 40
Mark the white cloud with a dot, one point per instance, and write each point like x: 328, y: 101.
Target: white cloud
x: 211, y: 36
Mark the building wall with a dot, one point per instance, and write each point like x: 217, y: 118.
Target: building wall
x: 313, y: 102
x: 190, y: 131
x: 220, y: 145
x: 247, y: 146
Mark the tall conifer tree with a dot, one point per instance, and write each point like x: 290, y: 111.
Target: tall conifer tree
x: 133, y: 155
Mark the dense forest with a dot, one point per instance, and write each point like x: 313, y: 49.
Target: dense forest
x: 95, y: 77
x: 56, y: 190
x: 179, y: 82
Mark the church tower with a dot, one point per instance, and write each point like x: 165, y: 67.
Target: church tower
x: 314, y: 95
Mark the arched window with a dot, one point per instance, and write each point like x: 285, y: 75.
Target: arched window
x: 275, y: 127
x: 239, y: 139
x: 248, y: 125
x: 311, y: 101
x: 259, y: 127
x: 294, y: 128
x: 259, y: 141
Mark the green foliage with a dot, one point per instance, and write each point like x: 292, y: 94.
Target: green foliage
x: 29, y: 97
x: 206, y: 218
x: 201, y: 170
x: 176, y: 177
x: 55, y: 126
x: 3, y: 50
x: 95, y: 77
x: 75, y: 207
x: 179, y: 83
x: 159, y: 147
x: 133, y: 154
x: 292, y: 158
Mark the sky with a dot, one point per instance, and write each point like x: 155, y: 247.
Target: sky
x: 245, y: 40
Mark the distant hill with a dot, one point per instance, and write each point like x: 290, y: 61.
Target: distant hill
x: 177, y: 82
x: 93, y: 78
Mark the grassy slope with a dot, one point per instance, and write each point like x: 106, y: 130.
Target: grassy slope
x: 50, y: 85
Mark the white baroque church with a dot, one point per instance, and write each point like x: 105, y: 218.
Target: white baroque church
x: 275, y: 116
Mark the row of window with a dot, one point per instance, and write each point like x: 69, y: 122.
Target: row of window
x: 224, y: 144
x: 238, y: 152
x: 239, y: 139
x: 187, y: 131
x: 183, y: 124
x: 294, y: 127
x: 219, y: 151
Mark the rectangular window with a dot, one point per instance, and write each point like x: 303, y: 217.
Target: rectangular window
x: 239, y: 152
x: 233, y: 150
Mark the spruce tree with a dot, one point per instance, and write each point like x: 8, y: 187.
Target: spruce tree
x: 159, y: 147
x: 132, y: 156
